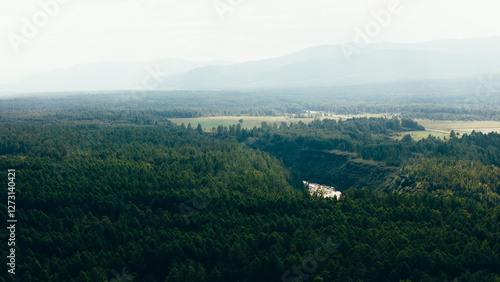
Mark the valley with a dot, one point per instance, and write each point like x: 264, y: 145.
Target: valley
x: 243, y: 141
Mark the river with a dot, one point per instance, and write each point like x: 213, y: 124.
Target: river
x: 327, y: 191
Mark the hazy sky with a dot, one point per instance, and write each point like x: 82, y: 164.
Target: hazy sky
x: 84, y: 31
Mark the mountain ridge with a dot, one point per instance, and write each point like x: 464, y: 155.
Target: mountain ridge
x: 316, y: 66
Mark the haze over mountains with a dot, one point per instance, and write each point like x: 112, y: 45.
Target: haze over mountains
x: 106, y: 76
x: 317, y: 66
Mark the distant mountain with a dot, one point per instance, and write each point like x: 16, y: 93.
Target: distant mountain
x: 474, y: 47
x: 312, y: 67
x: 107, y: 76
x: 328, y: 66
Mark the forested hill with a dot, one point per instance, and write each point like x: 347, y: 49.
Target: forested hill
x: 96, y: 198
x: 367, y: 152
x: 123, y: 201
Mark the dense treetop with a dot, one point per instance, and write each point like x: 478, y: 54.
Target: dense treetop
x: 136, y: 197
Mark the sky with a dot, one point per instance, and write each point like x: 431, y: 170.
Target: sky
x: 50, y: 34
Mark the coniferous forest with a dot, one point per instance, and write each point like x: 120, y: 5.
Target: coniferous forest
x: 113, y: 194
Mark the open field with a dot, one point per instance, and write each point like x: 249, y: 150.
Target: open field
x: 441, y: 128
x: 461, y: 126
x: 419, y: 135
x: 437, y: 128
x: 250, y: 121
